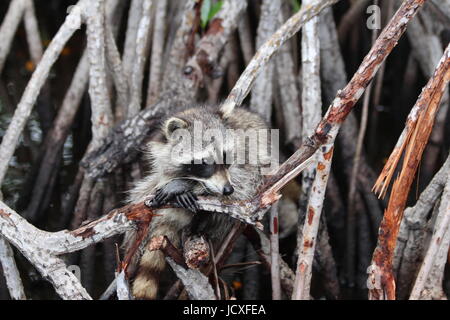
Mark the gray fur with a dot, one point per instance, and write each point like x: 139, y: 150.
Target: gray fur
x: 244, y: 178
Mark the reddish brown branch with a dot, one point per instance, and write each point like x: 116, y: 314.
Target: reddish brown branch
x: 163, y: 243
x: 415, y: 138
x: 346, y: 99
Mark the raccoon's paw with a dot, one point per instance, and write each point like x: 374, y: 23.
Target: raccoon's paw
x: 177, y: 192
x: 161, y: 198
x: 188, y: 201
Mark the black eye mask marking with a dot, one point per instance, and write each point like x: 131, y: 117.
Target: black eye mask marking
x: 226, y: 162
x: 203, y: 170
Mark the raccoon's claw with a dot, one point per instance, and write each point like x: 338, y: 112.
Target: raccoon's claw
x: 160, y: 199
x: 188, y: 201
x: 178, y: 191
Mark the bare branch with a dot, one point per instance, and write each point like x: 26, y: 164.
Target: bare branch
x: 112, y: 288
x: 159, y: 33
x: 178, y: 89
x: 32, y: 30
x: 413, y: 140
x: 10, y: 271
x: 134, y: 17
x: 427, y: 49
x: 118, y: 74
x: 413, y: 231
x: 311, y: 198
x: 57, y: 135
x: 101, y: 118
x: 346, y: 99
x: 265, y: 52
x: 311, y: 226
x: 123, y: 288
x: 140, y: 56
x: 23, y: 111
x: 32, y: 243
x: 274, y: 253
x: 261, y: 244
x: 9, y: 27
x: 178, y: 52
x: 289, y: 93
x: 261, y: 98
x: 436, y: 256
x: 196, y: 283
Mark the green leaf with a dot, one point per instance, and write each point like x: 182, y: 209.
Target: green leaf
x: 204, y: 13
x: 295, y: 5
x: 215, y: 8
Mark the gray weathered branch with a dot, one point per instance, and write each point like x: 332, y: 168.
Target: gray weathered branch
x: 39, y: 77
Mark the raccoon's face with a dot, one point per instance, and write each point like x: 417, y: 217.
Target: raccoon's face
x: 213, y: 176
x: 207, y: 162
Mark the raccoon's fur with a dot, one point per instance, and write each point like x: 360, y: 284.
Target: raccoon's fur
x: 170, y: 179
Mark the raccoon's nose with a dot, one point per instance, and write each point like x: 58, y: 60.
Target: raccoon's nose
x: 228, y: 189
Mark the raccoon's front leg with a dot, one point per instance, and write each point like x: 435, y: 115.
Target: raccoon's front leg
x: 179, y: 191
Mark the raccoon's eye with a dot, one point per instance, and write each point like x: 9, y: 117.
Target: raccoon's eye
x: 189, y: 167
x: 203, y: 170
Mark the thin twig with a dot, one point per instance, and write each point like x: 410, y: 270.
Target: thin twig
x: 274, y: 253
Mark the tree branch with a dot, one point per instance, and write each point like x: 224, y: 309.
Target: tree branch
x: 265, y: 52
x: 10, y: 271
x: 23, y: 110
x: 436, y: 255
x: 413, y: 141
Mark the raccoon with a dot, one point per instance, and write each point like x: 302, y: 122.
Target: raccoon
x: 180, y: 175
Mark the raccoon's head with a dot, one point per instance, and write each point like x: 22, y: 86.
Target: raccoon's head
x: 200, y: 150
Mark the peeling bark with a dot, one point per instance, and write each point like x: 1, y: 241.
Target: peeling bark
x: 413, y: 141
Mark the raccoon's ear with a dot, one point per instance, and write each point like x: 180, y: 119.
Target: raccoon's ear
x: 173, y: 124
